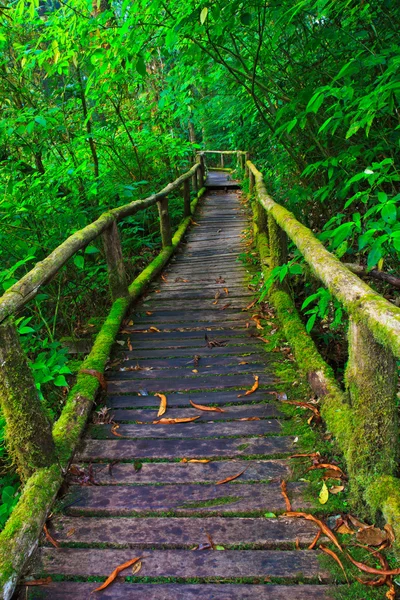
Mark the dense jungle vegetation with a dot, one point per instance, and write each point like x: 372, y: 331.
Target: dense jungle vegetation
x: 103, y: 102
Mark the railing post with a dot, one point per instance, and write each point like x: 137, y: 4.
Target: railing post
x: 371, y: 377
x: 165, y: 224
x: 252, y: 181
x: 247, y: 170
x: 277, y: 243
x: 28, y: 432
x: 222, y: 161
x: 201, y: 171
x: 186, y: 198
x: 115, y: 264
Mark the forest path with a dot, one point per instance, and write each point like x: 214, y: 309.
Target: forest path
x: 134, y: 491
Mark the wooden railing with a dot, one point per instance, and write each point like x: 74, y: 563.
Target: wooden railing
x: 241, y: 156
x: 29, y: 433
x: 368, y: 426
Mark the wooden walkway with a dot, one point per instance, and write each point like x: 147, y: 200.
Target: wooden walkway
x: 133, y: 490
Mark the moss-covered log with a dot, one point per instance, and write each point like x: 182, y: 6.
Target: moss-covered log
x: 115, y: 263
x: 28, y: 432
x: 361, y: 301
x: 371, y: 379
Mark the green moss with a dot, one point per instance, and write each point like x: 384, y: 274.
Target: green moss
x: 383, y: 496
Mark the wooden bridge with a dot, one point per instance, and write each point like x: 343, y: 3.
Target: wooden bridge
x: 186, y: 468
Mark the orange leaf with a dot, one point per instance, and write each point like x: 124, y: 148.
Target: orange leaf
x: 230, y: 478
x: 209, y: 408
x: 327, y: 466
x: 315, y: 540
x: 249, y: 306
x: 116, y: 572
x: 226, y: 290
x: 130, y: 347
x: 249, y: 419
x: 49, y: 538
x: 99, y: 376
x: 324, y: 528
x: 164, y: 278
x: 149, y: 312
x: 373, y: 570
x: 253, y: 389
x: 44, y: 581
x: 114, y: 428
x: 154, y: 329
x: 200, y: 460
x: 163, y: 404
x: 173, y: 421
x: 243, y: 362
x: 335, y: 557
x: 285, y: 496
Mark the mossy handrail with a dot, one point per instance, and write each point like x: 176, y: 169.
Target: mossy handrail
x: 28, y: 286
x: 363, y: 417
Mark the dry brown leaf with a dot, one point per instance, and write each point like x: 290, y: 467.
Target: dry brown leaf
x: 345, y: 530
x: 297, y: 543
x: 130, y: 347
x: 199, y: 460
x: 391, y: 593
x: 324, y: 528
x: 315, y: 540
x: 230, y: 478
x: 330, y: 467
x: 194, y: 371
x: 372, y: 570
x: 211, y: 541
x: 253, y: 389
x: 243, y: 362
x: 356, y: 523
x: 249, y: 419
x: 99, y: 376
x: 149, y: 312
x: 249, y: 306
x: 285, y: 496
x: 226, y: 291
x: 49, y: 538
x: 136, y: 567
x: 163, y: 404
x: 313, y: 455
x: 371, y: 536
x: 166, y: 421
x: 225, y: 306
x: 207, y: 408
x: 336, y: 489
x: 154, y: 329
x: 164, y: 278
x: 202, y: 547
x: 116, y: 572
x: 33, y: 582
x: 114, y: 428
x: 335, y: 557
x: 390, y: 532
x: 70, y: 532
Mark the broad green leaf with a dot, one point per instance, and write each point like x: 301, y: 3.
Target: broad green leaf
x: 141, y: 66
x: 203, y: 15
x: 79, y: 261
x: 60, y: 381
x: 245, y: 18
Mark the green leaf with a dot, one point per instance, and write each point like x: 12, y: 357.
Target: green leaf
x: 60, y: 381
x: 79, y: 261
x: 203, y: 15
x: 219, y: 547
x: 141, y: 66
x: 245, y: 18
x: 389, y: 213
x: 270, y: 515
x: 315, y: 102
x: 41, y: 120
x: 24, y: 330
x: 91, y: 250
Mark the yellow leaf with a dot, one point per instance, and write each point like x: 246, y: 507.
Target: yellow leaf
x: 324, y: 494
x: 163, y: 404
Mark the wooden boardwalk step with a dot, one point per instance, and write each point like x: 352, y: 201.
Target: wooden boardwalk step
x: 219, y: 398
x: 249, y: 411
x: 171, y: 591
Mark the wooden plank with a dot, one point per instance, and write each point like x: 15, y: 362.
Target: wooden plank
x: 170, y: 449
x: 193, y: 430
x: 194, y: 346
x: 204, y: 362
x: 193, y: 382
x: 290, y: 565
x: 154, y: 373
x: 261, y: 411
x: 182, y: 532
x: 170, y: 591
x: 244, y: 351
x: 185, y: 472
x: 218, y: 398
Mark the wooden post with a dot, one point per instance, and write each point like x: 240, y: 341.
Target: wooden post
x: 222, y: 161
x: 277, y: 243
x: 242, y: 160
x: 201, y: 171
x: 186, y: 198
x: 28, y: 432
x: 371, y: 377
x: 247, y: 170
x: 194, y: 183
x: 252, y: 181
x: 115, y: 264
x: 165, y: 224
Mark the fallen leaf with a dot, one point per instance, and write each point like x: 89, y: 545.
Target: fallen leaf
x: 207, y: 408
x: 149, y: 312
x: 219, y: 547
x: 371, y: 536
x: 243, y: 362
x: 33, y: 582
x: 158, y: 291
x: 130, y: 347
x: 226, y: 291
x: 312, y: 455
x: 253, y: 389
x: 166, y: 421
x: 99, y: 376
x: 297, y: 543
x: 249, y: 306
x: 270, y: 515
x: 220, y: 280
x: 336, y: 489
x: 390, y: 532
x: 324, y: 494
x: 114, y: 428
x: 70, y: 532
x: 328, y: 466
x: 335, y: 557
x: 324, y: 528
x: 308, y: 405
x: 372, y: 570
x: 225, y: 306
x: 256, y: 319
x: 356, y: 523
x: 49, y: 538
x: 391, y: 593
x: 202, y: 547
x: 116, y: 572
x: 249, y: 419
x: 343, y: 529
x: 211, y: 541
x: 164, y: 278
x: 154, y: 329
x: 315, y: 540
x: 285, y: 496
x: 163, y: 404
x: 230, y: 478
x: 136, y: 567
x: 199, y: 460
